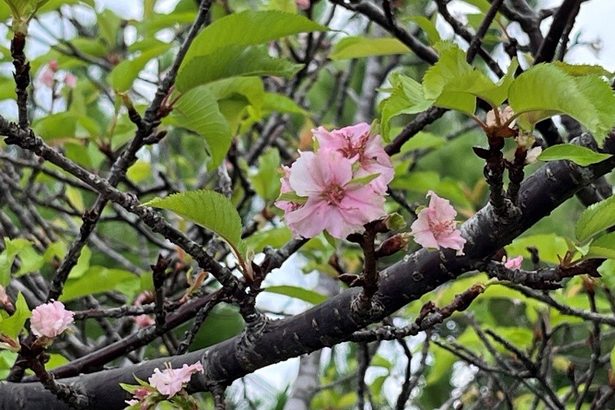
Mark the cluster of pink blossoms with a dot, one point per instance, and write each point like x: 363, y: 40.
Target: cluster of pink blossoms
x: 340, y: 187
x: 167, y: 382
x: 50, y: 319
x: 49, y: 75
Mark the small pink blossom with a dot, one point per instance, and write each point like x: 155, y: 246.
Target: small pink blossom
x: 46, y: 77
x: 70, y: 80
x: 435, y: 226
x: 356, y: 142
x: 50, y: 319
x: 143, y: 321
x: 53, y: 65
x: 171, y: 381
x: 303, y: 4
x: 333, y: 203
x: 514, y: 263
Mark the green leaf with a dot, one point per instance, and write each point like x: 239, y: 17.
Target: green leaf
x: 583, y: 69
x: 124, y: 74
x: 596, y: 218
x: 429, y: 27
x: 56, y: 126
x: 292, y: 197
x: 306, y: 295
x: 98, y: 279
x: 549, y: 247
x: 423, y: 140
x: 232, y: 61
x: 363, y: 180
x: 197, y: 110
x: 406, y: 98
x: 579, y: 155
x: 249, y: 28
x: 588, y: 99
x: 266, y: 180
x: 210, y: 210
x: 281, y: 103
x: 13, y: 325
x: 276, y: 238
x: 359, y: 47
x: 603, y: 247
x: 30, y: 259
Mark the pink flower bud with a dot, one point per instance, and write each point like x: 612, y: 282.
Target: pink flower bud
x: 143, y: 321
x: 70, y: 80
x: 514, y: 263
x: 53, y: 65
x: 50, y: 319
x: 303, y: 4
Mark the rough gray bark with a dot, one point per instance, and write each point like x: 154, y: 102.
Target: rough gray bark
x: 308, y: 377
x: 333, y: 322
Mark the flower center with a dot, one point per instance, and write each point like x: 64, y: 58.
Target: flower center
x: 333, y: 194
x: 441, y: 227
x: 350, y: 150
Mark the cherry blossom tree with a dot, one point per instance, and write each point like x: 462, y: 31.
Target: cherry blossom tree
x: 412, y: 198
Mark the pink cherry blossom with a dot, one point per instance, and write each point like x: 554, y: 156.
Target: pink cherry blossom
x: 435, y: 226
x: 514, y: 263
x: 355, y: 142
x: 70, y: 80
x: 50, y: 319
x: 171, y: 381
x: 303, y: 4
x: 53, y: 65
x: 333, y: 203
x: 46, y: 77
x: 143, y: 321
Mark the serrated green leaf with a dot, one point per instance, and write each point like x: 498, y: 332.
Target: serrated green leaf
x: 603, y: 247
x: 596, y: 218
x: 453, y: 83
x: 210, y: 210
x: 13, y: 325
x: 276, y: 238
x: 30, y: 259
x: 292, y: 197
x: 306, y: 295
x: 249, y: 28
x: 359, y: 47
x: 422, y: 140
x: 281, y: 103
x: 579, y: 155
x: 124, y: 74
x: 429, y: 27
x: 588, y: 99
x: 197, y: 110
x: 549, y: 247
x: 266, y: 180
x: 583, y: 69
x: 232, y: 61
x: 406, y: 98
x: 98, y: 279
